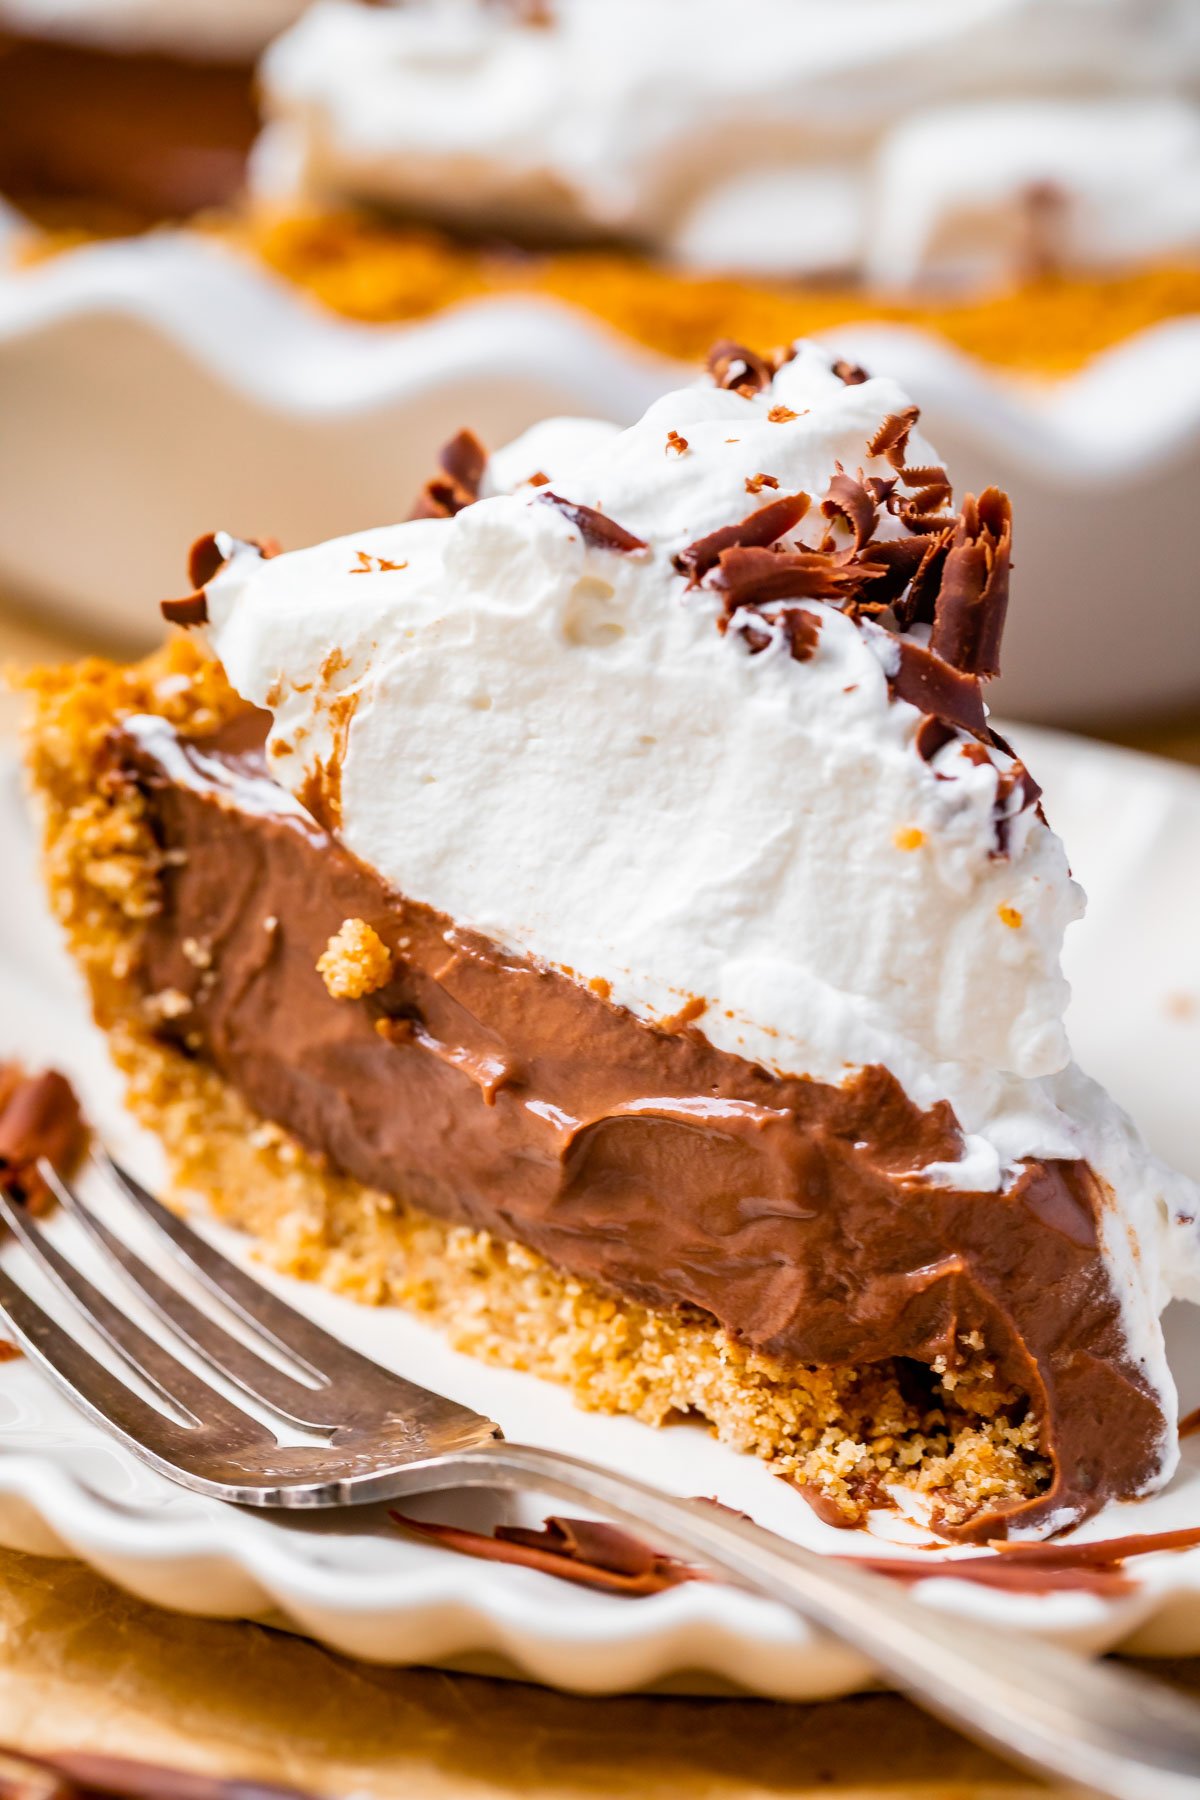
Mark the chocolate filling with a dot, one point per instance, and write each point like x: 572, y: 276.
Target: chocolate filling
x: 154, y: 136
x: 491, y: 1090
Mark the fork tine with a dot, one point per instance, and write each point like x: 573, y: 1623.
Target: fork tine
x: 262, y: 1380
x: 356, y: 1378
x: 178, y: 1385
x: 97, y: 1389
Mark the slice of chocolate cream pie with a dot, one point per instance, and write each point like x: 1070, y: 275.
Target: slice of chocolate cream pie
x: 598, y: 914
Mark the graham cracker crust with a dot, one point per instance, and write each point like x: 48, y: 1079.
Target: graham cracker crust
x: 846, y: 1436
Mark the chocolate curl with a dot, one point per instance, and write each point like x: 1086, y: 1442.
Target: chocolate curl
x: 39, y: 1117
x: 757, y: 529
x: 738, y: 369
x: 595, y: 528
x: 747, y: 576
x: 206, y: 559
x: 936, y: 687
x: 192, y: 609
x: 968, y: 618
x: 461, y: 463
x: 851, y: 373
x: 891, y: 439
x: 578, y: 1550
x: 932, y: 735
x: 848, y: 499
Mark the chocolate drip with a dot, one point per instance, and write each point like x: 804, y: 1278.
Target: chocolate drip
x: 493, y: 1091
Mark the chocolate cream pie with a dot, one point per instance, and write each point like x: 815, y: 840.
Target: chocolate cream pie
x: 598, y: 914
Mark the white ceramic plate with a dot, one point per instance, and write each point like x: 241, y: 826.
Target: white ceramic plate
x: 154, y: 389
x: 356, y: 1584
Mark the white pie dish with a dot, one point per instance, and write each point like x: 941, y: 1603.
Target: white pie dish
x: 359, y: 1586
x: 156, y: 388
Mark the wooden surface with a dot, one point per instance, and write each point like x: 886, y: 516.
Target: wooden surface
x: 85, y: 1666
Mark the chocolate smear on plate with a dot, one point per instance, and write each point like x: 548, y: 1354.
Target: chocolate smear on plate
x: 614, y: 1561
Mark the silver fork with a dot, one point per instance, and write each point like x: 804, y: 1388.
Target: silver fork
x: 383, y: 1437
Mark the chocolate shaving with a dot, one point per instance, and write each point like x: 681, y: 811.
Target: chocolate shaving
x: 594, y: 527
x: 206, y: 559
x: 461, y: 463
x: 751, y: 577
x: 968, y: 617
x: 39, y: 1117
x: 926, y: 474
x: 850, y: 372
x: 740, y: 370
x: 891, y: 439
x: 932, y: 735
x: 758, y: 528
x: 935, y: 686
x: 924, y: 500
x: 191, y: 610
x: 579, y: 1550
x: 848, y: 499
x: 601, y: 1556
x: 88, y: 1775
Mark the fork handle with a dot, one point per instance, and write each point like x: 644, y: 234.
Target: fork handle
x: 1090, y: 1723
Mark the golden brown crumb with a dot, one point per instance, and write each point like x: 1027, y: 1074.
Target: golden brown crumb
x: 355, y: 961
x: 908, y: 837
x: 1010, y: 916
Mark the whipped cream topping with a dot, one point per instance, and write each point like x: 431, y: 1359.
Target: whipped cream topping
x: 907, y: 139
x: 202, y: 29
x: 551, y: 741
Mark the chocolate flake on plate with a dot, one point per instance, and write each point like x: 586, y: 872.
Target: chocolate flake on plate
x: 39, y: 1117
x: 595, y: 528
x: 579, y: 1550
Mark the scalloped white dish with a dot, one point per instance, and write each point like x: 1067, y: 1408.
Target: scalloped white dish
x: 358, y: 1585
x: 155, y: 388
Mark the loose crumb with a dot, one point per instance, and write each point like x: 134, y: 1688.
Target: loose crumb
x: 1008, y: 915
x: 908, y: 837
x: 355, y: 961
